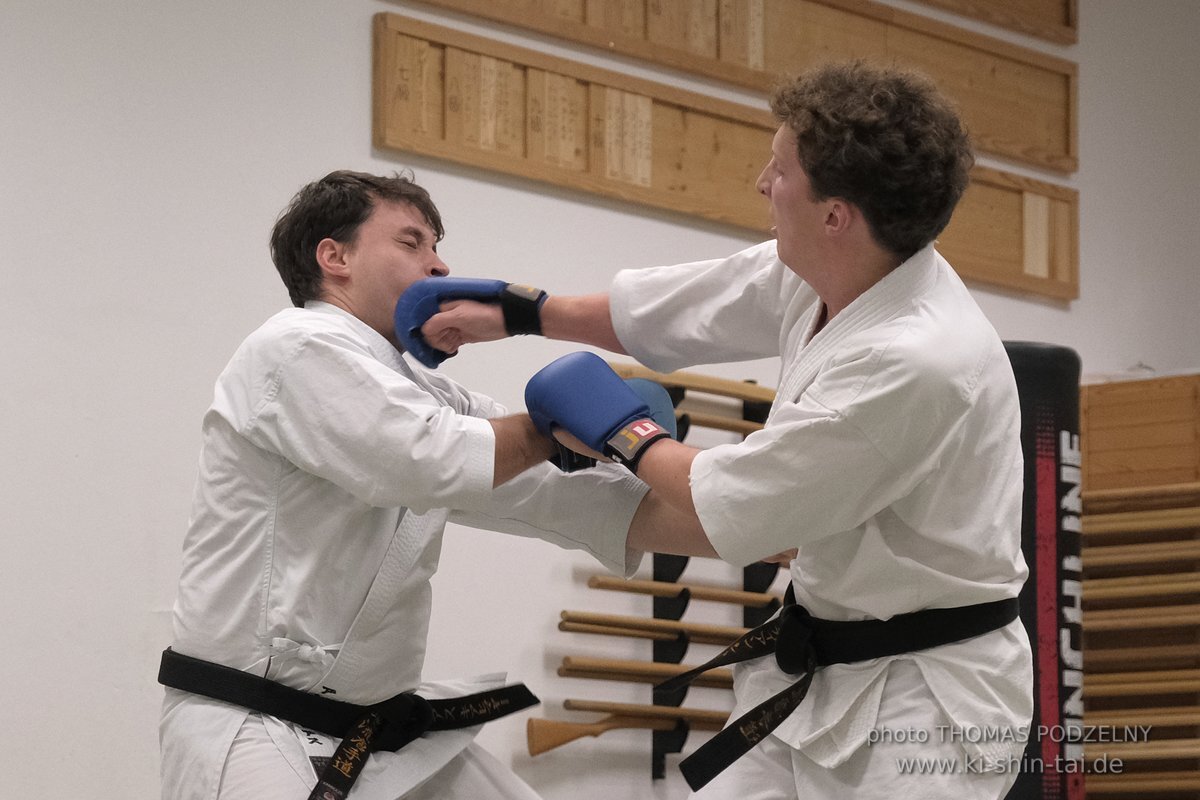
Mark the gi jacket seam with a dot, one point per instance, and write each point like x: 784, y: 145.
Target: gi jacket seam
x: 273, y: 384
x: 872, y: 358
x: 269, y: 565
x: 837, y: 415
x: 844, y: 411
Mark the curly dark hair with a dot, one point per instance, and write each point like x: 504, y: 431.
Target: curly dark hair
x: 884, y: 139
x: 334, y: 207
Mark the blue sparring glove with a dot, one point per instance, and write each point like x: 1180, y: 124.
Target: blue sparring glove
x: 521, y: 306
x: 658, y: 400
x: 581, y: 393
x: 662, y: 411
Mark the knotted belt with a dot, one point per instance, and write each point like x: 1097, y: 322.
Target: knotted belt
x: 802, y: 643
x: 388, y: 725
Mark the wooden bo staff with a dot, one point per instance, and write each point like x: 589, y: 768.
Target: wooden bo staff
x: 717, y: 422
x: 617, y: 625
x: 1170, y: 717
x: 1158, y: 750
x: 547, y: 734
x: 739, y: 390
x: 1141, y: 684
x: 1162, y: 584
x: 1141, y: 784
x: 612, y: 669
x: 607, y: 630
x: 1141, y: 498
x: 1156, y: 519
x: 1140, y: 618
x: 707, y: 384
x: 1126, y: 555
x: 1113, y: 658
x: 716, y: 594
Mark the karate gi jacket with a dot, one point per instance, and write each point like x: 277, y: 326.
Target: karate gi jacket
x: 891, y: 459
x: 328, y: 468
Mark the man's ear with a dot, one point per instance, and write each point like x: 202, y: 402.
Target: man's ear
x: 331, y: 258
x: 839, y: 216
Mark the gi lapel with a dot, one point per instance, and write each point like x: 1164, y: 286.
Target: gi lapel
x: 888, y: 298
x: 405, y: 549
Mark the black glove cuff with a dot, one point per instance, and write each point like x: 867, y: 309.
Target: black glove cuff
x: 630, y: 443
x: 522, y: 309
x: 567, y: 460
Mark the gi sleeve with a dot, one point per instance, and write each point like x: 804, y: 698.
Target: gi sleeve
x: 461, y: 399
x: 704, y: 312
x: 588, y: 510
x: 333, y: 410
x: 863, y: 435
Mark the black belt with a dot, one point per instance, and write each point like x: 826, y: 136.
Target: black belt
x: 388, y: 725
x: 801, y: 643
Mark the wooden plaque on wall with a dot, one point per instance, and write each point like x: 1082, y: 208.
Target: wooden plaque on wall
x: 1016, y: 233
x: 1053, y: 20
x: 471, y: 100
x: 1018, y: 103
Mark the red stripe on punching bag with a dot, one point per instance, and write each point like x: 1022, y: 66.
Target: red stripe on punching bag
x: 1046, y: 531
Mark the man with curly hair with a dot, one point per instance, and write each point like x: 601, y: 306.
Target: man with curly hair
x: 890, y: 462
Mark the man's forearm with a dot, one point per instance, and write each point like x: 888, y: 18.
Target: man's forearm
x: 584, y: 318
x: 667, y: 522
x: 519, y: 446
x: 660, y: 527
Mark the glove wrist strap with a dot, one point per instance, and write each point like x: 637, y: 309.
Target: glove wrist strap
x: 522, y: 309
x: 629, y: 444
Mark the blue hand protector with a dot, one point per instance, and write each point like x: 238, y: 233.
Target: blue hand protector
x: 658, y: 400
x: 581, y: 393
x: 519, y: 304
x: 662, y: 411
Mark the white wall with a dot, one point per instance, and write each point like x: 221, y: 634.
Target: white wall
x: 145, y: 149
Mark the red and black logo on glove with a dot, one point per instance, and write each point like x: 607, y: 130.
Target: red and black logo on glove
x: 628, y: 444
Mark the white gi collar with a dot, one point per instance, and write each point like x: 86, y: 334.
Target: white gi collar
x: 383, y: 350
x: 380, y: 347
x: 893, y: 294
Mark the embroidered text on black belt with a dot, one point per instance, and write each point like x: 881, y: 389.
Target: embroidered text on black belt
x: 802, y: 643
x: 388, y: 725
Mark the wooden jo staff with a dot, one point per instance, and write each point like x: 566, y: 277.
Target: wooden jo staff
x: 613, y: 669
x: 705, y: 385
x: 1094, y: 620
x: 716, y: 594
x: 708, y: 384
x: 547, y: 734
x: 618, y: 625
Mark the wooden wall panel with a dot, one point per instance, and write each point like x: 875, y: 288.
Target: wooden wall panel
x: 523, y: 113
x: 475, y: 101
x: 1141, y: 433
x: 1016, y: 233
x: 1018, y: 103
x: 621, y: 17
x: 1053, y: 20
x: 743, y: 31
x: 686, y: 25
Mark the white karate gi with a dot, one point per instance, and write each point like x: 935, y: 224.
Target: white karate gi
x: 327, y: 467
x: 891, y: 459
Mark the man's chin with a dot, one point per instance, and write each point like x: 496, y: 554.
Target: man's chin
x: 785, y: 255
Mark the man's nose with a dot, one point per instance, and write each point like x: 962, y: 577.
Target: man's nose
x: 438, y: 268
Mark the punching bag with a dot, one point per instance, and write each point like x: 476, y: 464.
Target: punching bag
x: 1051, y: 604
